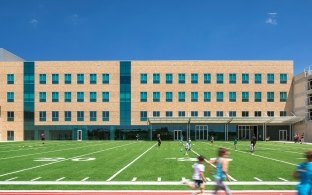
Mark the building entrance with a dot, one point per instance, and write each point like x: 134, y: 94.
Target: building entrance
x: 201, y: 132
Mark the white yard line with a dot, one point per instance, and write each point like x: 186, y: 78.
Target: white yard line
x: 60, y: 179
x: 282, y: 179
x: 256, y: 178
x: 134, y: 179
x: 36, y: 179
x: 85, y: 179
x: 11, y: 179
x: 208, y: 179
x: 159, y: 179
x: 121, y: 170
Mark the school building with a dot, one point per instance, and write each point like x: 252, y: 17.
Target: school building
x: 116, y: 100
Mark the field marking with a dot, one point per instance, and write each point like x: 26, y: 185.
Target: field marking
x: 121, y: 170
x: 60, y: 179
x: 281, y: 150
x: 35, y: 179
x: 159, y: 179
x: 256, y: 178
x: 134, y: 179
x: 208, y: 179
x: 85, y: 179
x: 11, y: 179
x: 282, y: 179
x: 38, y: 166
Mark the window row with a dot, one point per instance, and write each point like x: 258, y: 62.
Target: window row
x: 68, y: 97
x: 219, y: 96
x: 206, y: 78
x: 68, y: 116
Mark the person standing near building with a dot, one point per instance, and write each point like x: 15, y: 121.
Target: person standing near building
x: 187, y: 147
x: 304, y: 174
x: 235, y: 143
x: 212, y: 139
x: 253, y: 144
x: 42, y: 137
x: 158, y: 140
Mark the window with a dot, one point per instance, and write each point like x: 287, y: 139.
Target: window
x: 270, y: 78
x: 219, y: 78
x: 10, y: 96
x: 105, y: 96
x: 181, y: 96
x: 207, y: 78
x: 258, y: 79
x: 80, y: 115
x: 67, y: 79
x: 245, y: 78
x: 270, y: 96
x: 207, y: 96
x: 181, y: 78
x: 194, y: 96
x: 168, y: 113
x: 80, y: 96
x: 232, y: 113
x: 55, y: 96
x: 257, y: 113
x: 55, y: 78
x: 207, y: 114
x: 42, y: 97
x: 92, y: 115
x: 219, y: 113
x: 245, y: 96
x: 283, y: 113
x: 143, y: 78
x: 168, y: 96
x: 67, y: 115
x: 156, y: 96
x: 283, y: 78
x: 270, y: 113
x: 143, y: 115
x: 283, y: 96
x: 143, y: 96
x: 181, y: 113
x: 10, y: 79
x: 156, y: 78
x: 194, y: 78
x: 232, y: 78
x: 67, y: 96
x: 42, y: 116
x: 80, y: 78
x: 194, y: 114
x: 29, y: 97
x: 245, y: 114
x: 55, y: 116
x: 258, y: 96
x: 156, y: 113
x: 169, y: 78
x: 105, y: 115
x: 93, y: 97
x: 10, y: 116
x: 219, y: 96
x: 105, y: 78
x: 42, y: 78
x: 92, y: 78
x: 232, y: 96
x: 29, y: 78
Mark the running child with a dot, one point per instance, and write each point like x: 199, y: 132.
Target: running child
x: 187, y: 148
x: 304, y: 174
x: 253, y: 144
x: 158, y: 140
x: 235, y: 143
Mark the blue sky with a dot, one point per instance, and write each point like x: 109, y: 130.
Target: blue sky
x: 158, y: 30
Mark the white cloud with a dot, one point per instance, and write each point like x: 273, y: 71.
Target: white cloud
x: 271, y: 18
x: 34, y: 22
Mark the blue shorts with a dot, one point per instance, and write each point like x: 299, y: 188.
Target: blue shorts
x: 304, y: 189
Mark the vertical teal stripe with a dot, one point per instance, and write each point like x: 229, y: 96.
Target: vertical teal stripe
x: 29, y: 95
x: 125, y: 93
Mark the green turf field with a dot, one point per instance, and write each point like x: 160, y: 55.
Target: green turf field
x: 140, y: 165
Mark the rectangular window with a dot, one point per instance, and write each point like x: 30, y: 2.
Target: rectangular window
x: 67, y: 97
x: 10, y: 96
x: 42, y: 97
x: 207, y: 96
x: 92, y: 115
x: 232, y: 78
x: 219, y: 96
x: 55, y: 96
x: 67, y: 115
x: 143, y: 96
x: 93, y: 79
x: 207, y: 113
x: 55, y: 78
x: 67, y: 79
x: 105, y: 78
x: 29, y: 79
x: 181, y: 78
x: 283, y: 113
x: 270, y: 113
x: 181, y: 113
x: 156, y: 114
x: 156, y: 96
x: 270, y: 78
x: 257, y: 113
x: 194, y: 96
x: 10, y: 116
x: 232, y: 113
x: 245, y: 78
x: 245, y: 114
x: 232, y: 96
x: 105, y: 115
x: 80, y: 78
x: 283, y: 78
x: 156, y: 78
x: 42, y: 78
x: 55, y: 116
x: 93, y: 96
x: 169, y: 78
x: 283, y: 96
x: 219, y: 78
x: 245, y: 96
x: 168, y: 96
x: 207, y: 78
x: 181, y: 96
x: 105, y: 96
x: 258, y: 79
x: 10, y: 79
x: 258, y: 97
x: 219, y: 113
x: 143, y: 78
x: 194, y: 113
x: 168, y: 113
x: 143, y: 116
x: 42, y: 116
x: 80, y: 115
x: 270, y: 96
x: 194, y: 78
x: 29, y: 97
x: 80, y: 96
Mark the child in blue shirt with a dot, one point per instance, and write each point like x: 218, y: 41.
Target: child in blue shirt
x: 304, y: 174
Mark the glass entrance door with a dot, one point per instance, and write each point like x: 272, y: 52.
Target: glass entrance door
x: 201, y: 132
x: 283, y: 135
x: 177, y: 135
x: 10, y: 136
x: 79, y: 135
x: 244, y: 132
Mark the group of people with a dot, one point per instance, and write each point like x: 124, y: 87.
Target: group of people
x: 298, y: 138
